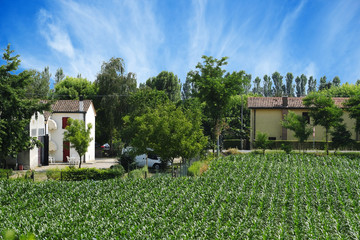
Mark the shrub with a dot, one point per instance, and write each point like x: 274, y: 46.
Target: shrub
x: 137, y: 173
x: 261, y: 141
x: 53, y: 174
x: 198, y: 168
x: 79, y: 174
x: 5, y: 173
x: 286, y: 147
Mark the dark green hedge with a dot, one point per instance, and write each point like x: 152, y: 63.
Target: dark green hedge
x: 79, y: 174
x: 319, y: 145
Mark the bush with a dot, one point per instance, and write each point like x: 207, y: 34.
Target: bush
x: 199, y: 167
x: 79, y: 174
x: 53, y: 174
x: 286, y: 147
x: 232, y: 151
x: 138, y: 173
x: 5, y: 173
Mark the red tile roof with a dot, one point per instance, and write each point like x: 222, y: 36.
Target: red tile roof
x: 67, y: 106
x: 277, y: 102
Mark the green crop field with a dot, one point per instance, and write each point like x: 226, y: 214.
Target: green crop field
x: 254, y: 197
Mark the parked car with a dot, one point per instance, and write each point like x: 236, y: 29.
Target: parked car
x: 105, y: 147
x: 154, y: 161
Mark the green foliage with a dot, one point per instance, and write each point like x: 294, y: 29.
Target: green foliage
x: 169, y: 130
x: 15, y: 108
x: 114, y: 89
x: 215, y: 89
x: 341, y: 137
x: 80, y: 174
x: 278, y: 84
x: 345, y: 90
x: 11, y: 235
x: 5, y: 173
x: 39, y: 85
x: 261, y: 141
x: 289, y: 85
x: 268, y: 91
x: 194, y: 169
x: 73, y: 88
x: 59, y: 75
x: 298, y: 124
x: 353, y: 107
x: 323, y: 111
x: 53, y: 173
x: 78, y: 135
x: 286, y: 147
x: 138, y: 173
x: 311, y: 85
x: 167, y: 82
x: 239, y: 197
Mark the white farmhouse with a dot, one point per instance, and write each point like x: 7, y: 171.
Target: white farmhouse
x: 49, y: 129
x: 61, y: 111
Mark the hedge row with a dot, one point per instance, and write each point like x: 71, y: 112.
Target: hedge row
x: 79, y: 174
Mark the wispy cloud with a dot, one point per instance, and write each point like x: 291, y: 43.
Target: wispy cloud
x: 56, y: 36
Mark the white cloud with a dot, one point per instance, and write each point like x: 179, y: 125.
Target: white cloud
x: 55, y: 35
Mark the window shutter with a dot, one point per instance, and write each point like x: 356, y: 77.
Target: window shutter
x: 64, y: 122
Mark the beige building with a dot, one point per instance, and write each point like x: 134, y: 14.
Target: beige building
x: 266, y: 114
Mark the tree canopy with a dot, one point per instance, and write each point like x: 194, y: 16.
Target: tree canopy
x: 114, y: 89
x: 15, y: 108
x: 215, y: 89
x: 323, y: 111
x: 72, y: 88
x: 167, y: 82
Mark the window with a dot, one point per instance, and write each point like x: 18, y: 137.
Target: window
x: 64, y: 122
x: 306, y: 116
x: 41, y: 132
x: 33, y: 132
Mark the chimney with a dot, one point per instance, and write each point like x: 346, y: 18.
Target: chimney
x: 81, y: 104
x: 285, y: 101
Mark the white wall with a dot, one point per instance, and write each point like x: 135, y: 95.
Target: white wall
x: 57, y: 135
x: 30, y: 159
x: 90, y: 118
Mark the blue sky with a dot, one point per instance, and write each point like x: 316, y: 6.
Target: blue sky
x: 315, y: 37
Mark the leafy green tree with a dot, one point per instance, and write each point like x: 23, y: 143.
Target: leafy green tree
x: 324, y: 112
x: 353, y: 107
x: 215, y: 90
x: 311, y: 85
x: 324, y: 84
x: 257, y: 87
x: 336, y: 81
x: 73, y: 88
x: 168, y: 82
x: 357, y: 82
x: 247, y: 84
x: 39, y: 85
x: 341, y: 137
x: 303, y: 84
x: 345, y: 90
x: 59, y: 75
x: 79, y: 136
x: 298, y: 86
x: 169, y: 130
x: 278, y: 84
x: 261, y: 141
x: 114, y: 89
x: 267, y: 86
x: 289, y: 85
x: 15, y: 108
x: 299, y: 125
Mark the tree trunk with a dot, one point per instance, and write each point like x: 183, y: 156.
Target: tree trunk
x: 218, y: 145
x: 80, y: 162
